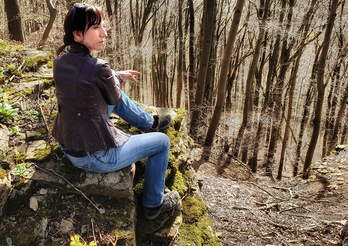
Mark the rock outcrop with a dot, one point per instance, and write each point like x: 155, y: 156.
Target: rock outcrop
x: 48, y: 199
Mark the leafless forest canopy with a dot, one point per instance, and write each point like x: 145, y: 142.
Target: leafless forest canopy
x: 286, y: 88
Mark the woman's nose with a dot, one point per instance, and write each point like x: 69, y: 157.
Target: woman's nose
x: 104, y: 33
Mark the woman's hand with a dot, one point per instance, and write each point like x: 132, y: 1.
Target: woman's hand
x: 129, y: 74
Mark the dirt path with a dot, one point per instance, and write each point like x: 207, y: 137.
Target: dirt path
x: 250, y: 209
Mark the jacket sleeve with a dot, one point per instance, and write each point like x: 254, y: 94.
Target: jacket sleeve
x: 108, y: 85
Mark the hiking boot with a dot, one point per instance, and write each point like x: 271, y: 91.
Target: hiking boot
x: 160, y: 123
x: 169, y: 202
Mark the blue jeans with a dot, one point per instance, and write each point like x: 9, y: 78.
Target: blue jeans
x: 155, y: 146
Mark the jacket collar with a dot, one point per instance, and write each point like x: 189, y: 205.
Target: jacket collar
x: 79, y: 48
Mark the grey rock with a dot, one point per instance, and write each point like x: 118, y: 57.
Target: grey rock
x: 65, y: 226
x: 33, y: 135
x: 4, y: 135
x: 33, y: 52
x: 35, y: 145
x: 41, y: 229
x: 114, y: 184
x: 33, y: 203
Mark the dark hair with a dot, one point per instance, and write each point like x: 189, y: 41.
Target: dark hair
x: 77, y: 18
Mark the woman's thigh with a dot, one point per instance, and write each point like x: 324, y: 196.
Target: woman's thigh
x: 136, y: 148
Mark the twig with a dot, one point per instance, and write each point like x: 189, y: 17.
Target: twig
x: 279, y: 225
x: 281, y: 199
x: 93, y: 231
x: 69, y: 184
x: 37, y: 76
x: 301, y: 215
x: 284, y: 189
x: 44, y: 119
x: 337, y: 203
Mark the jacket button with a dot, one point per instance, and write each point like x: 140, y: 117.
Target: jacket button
x: 78, y: 114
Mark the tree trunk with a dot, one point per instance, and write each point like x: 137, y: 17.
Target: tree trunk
x: 209, y: 9
x: 320, y: 87
x: 191, y: 54
x: 306, y: 24
x: 251, y: 73
x: 53, y: 14
x: 223, y: 72
x: 284, y: 65
x: 180, y: 58
x: 108, y: 7
x: 14, y: 20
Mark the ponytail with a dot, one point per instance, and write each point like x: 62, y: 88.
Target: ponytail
x: 68, y: 40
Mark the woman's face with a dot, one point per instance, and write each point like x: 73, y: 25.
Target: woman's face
x: 93, y: 38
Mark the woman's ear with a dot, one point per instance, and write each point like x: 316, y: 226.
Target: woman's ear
x: 78, y: 36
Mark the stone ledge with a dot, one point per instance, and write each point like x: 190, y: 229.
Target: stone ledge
x: 113, y: 184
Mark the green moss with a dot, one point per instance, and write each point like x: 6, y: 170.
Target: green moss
x: 134, y: 129
x: 19, y: 158
x: 149, y: 110
x: 50, y: 55
x: 180, y: 184
x: 6, y: 48
x: 43, y: 154
x: 50, y: 64
x: 196, y: 227
x: 13, y: 70
x: 34, y: 62
x: 28, y: 91
x: 180, y: 114
x: 9, y: 90
x: 2, y: 173
x: 194, y: 209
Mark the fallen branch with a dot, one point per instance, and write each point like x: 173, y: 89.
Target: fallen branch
x: 337, y: 203
x: 69, y: 184
x: 279, y: 225
x: 281, y: 199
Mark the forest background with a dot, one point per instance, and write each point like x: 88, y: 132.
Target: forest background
x: 266, y: 80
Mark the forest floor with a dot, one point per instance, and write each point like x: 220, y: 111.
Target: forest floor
x: 252, y: 209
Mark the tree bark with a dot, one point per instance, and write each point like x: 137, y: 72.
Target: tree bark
x: 14, y: 20
x: 191, y: 54
x: 209, y: 9
x: 53, y: 14
x: 180, y: 58
x: 320, y: 87
x: 264, y: 10
x: 223, y: 72
x: 284, y: 63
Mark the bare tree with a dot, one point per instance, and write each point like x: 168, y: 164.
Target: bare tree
x: 210, y: 11
x: 223, y: 72
x: 320, y: 86
x: 180, y: 56
x: 303, y: 31
x: 264, y: 8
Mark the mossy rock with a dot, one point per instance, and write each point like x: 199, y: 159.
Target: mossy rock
x: 2, y: 173
x: 6, y: 48
x: 34, y: 62
x: 13, y: 70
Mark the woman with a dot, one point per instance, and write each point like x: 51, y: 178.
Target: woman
x: 87, y: 92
